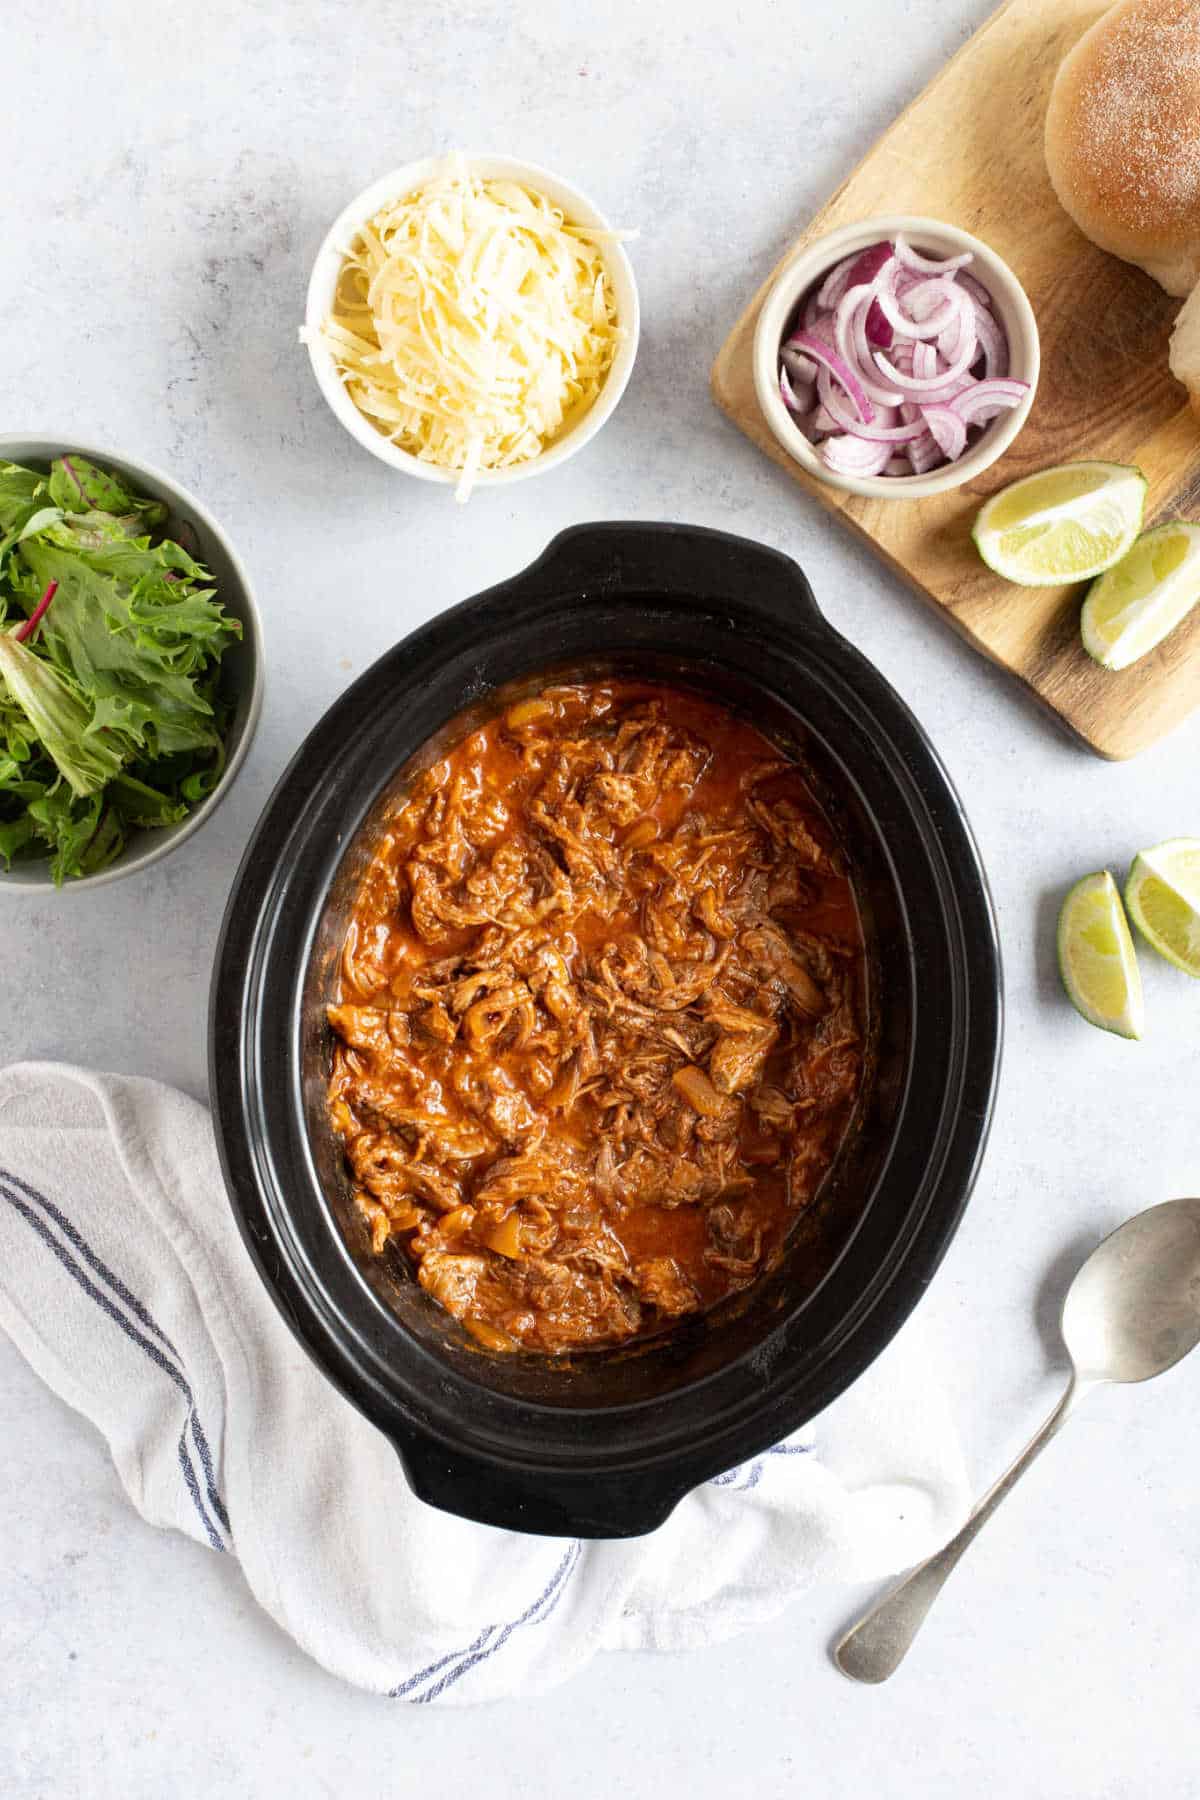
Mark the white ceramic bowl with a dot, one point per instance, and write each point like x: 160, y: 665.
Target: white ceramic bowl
x: 243, y: 662
x: 932, y: 236
x: 577, y: 209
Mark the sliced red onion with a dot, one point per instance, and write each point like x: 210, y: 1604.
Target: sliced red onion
x: 850, y: 329
x: 927, y: 366
x: 924, y: 454
x: 940, y: 309
x: 992, y: 342
x: 899, y: 360
x: 934, y: 299
x: 949, y: 430
x: 924, y: 362
x: 942, y: 396
x: 813, y: 313
x: 975, y: 289
x: 853, y: 271
x: 878, y: 330
x: 953, y: 341
x: 869, y: 264
x: 879, y: 431
x: 855, y: 456
x: 904, y: 281
x: 821, y: 327
x: 985, y: 399
x: 801, y: 368
x: 829, y: 359
x: 789, y: 398
x: 835, y: 284
x: 922, y: 386
x: 909, y: 258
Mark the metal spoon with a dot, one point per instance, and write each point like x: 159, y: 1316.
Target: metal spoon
x: 1132, y: 1312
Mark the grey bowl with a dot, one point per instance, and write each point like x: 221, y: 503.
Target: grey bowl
x: 243, y: 662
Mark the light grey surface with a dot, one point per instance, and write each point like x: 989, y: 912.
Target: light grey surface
x: 170, y: 171
x: 1129, y: 1315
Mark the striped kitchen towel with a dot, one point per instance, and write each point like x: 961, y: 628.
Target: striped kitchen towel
x: 124, y: 1282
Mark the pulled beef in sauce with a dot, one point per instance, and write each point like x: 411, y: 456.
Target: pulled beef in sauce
x: 597, y: 1035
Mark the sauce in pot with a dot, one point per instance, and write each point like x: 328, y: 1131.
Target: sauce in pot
x: 598, y: 1032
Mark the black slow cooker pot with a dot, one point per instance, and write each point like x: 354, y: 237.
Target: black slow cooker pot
x: 605, y: 1444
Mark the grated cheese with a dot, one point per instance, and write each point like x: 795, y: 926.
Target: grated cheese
x: 472, y: 324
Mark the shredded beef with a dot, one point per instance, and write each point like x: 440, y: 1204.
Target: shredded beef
x: 597, y: 1034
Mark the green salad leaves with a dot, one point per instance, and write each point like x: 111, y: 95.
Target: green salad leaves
x: 112, y: 715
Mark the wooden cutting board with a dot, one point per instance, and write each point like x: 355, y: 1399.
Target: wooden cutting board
x: 969, y: 150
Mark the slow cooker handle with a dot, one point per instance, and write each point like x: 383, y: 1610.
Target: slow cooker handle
x: 686, y: 562
x: 547, y: 1504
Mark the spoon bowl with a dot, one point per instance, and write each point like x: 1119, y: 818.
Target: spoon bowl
x: 1133, y: 1310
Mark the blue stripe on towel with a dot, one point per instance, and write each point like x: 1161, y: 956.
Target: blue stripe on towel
x: 406, y: 1687
x: 553, y: 1592
x: 743, y: 1479
x: 482, y: 1648
x: 739, y: 1477
x: 140, y: 1312
x: 210, y: 1480
x: 89, y: 1255
x: 152, y: 1349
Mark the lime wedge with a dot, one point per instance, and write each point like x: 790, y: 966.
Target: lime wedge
x: 1096, y: 958
x: 1133, y: 607
x: 1066, y: 524
x: 1162, y: 897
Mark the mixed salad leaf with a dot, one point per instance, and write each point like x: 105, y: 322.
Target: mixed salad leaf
x: 112, y: 713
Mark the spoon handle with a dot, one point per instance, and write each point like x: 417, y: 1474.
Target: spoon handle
x: 875, y: 1647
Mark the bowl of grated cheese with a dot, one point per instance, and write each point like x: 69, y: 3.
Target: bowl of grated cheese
x: 472, y: 320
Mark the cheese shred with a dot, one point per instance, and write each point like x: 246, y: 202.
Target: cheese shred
x: 472, y: 324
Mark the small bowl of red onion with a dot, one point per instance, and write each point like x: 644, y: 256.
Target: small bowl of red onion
x: 896, y: 358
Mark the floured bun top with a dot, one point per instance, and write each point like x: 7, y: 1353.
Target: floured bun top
x: 1123, y: 137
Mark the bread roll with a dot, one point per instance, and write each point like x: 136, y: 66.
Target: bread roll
x: 1185, y: 349
x: 1123, y: 137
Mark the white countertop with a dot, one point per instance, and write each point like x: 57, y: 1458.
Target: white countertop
x: 170, y: 171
